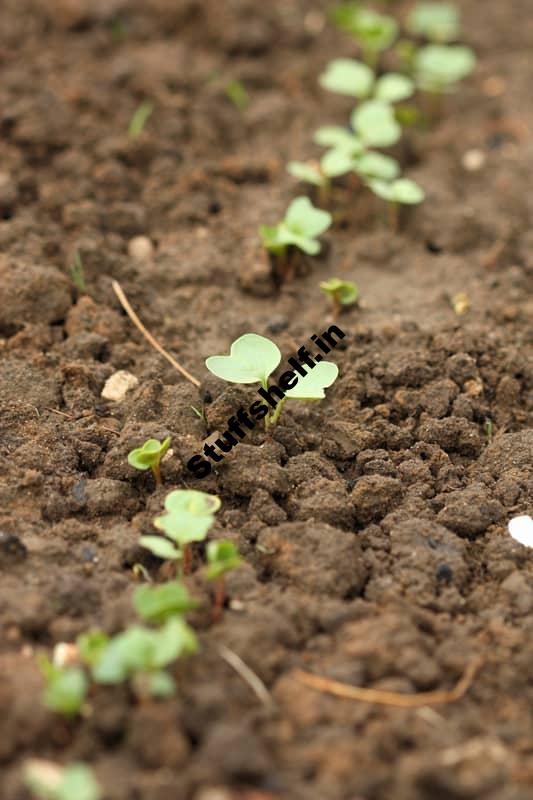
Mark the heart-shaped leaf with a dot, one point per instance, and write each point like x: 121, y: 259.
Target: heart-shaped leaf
x: 308, y: 172
x: 393, y: 87
x: 337, y: 137
x: 192, y: 500
x: 402, y: 190
x: 304, y: 219
x: 252, y: 359
x: 336, y: 162
x: 377, y: 165
x: 160, y: 547
x: 375, y: 123
x: 312, y: 386
x: 347, y: 76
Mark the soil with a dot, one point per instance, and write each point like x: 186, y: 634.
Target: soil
x: 373, y: 524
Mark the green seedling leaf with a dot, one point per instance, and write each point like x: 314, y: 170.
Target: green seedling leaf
x: 49, y: 781
x: 161, y: 685
x: 189, y: 515
x: 375, y: 123
x: 393, y: 87
x: 237, y: 94
x: 91, y: 645
x: 377, y: 165
x: 192, y: 500
x: 438, y: 22
x: 303, y: 218
x: 66, y: 688
x: 149, y: 455
x: 308, y: 172
x: 403, y: 190
x: 439, y: 67
x: 139, y: 119
x: 338, y: 138
x: 161, y: 548
x: 374, y: 32
x: 252, y: 359
x: 159, y: 603
x: 312, y: 386
x: 300, y: 227
x: 222, y: 556
x: 337, y: 162
x: 139, y: 650
x: 77, y: 273
x: 343, y: 293
x: 347, y: 76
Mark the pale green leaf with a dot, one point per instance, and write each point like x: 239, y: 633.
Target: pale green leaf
x: 311, y: 387
x: 305, y: 220
x: 375, y: 123
x: 252, y: 359
x: 393, y: 87
x: 310, y: 173
x: 377, y: 165
x: 347, y: 76
x: 160, y: 547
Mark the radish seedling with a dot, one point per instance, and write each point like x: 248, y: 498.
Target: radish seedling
x: 142, y: 654
x: 222, y: 557
x: 149, y: 457
x: 49, y: 781
x: 253, y: 358
x: 188, y: 519
x: 375, y: 124
x: 158, y: 603
x: 237, y: 94
x: 139, y: 119
x: 341, y: 293
x: 438, y: 22
x: 372, y: 31
x: 334, y: 163
x: 351, y: 77
x: 399, y: 192
x: 438, y: 67
x: 66, y: 687
x: 302, y: 224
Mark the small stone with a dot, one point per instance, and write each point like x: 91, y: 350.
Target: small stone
x: 473, y: 160
x: 118, y: 385
x: 140, y: 248
x: 65, y: 655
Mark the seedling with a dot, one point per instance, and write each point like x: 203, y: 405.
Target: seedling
x: 142, y: 654
x: 237, y: 94
x: 438, y: 22
x: 376, y: 165
x: 439, y: 68
x: 77, y: 273
x: 190, y: 515
x: 372, y: 31
x: 50, y: 781
x: 253, y: 358
x: 341, y: 293
x: 149, y: 457
x: 158, y: 603
x: 311, y: 387
x: 375, y: 124
x: 302, y: 224
x: 351, y: 77
x: 222, y: 557
x: 66, y: 687
x: 139, y: 119
x: 399, y: 192
x: 334, y: 163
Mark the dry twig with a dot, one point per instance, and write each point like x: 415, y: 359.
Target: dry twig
x: 437, y: 697
x: 124, y: 302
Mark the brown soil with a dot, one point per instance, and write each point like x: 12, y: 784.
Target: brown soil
x: 373, y: 524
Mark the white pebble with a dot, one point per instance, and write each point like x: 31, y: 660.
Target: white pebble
x: 521, y: 529
x: 140, y: 248
x: 118, y: 385
x: 473, y: 160
x: 65, y: 654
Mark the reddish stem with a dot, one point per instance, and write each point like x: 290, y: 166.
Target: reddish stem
x: 187, y: 560
x: 156, y: 469
x: 218, y: 600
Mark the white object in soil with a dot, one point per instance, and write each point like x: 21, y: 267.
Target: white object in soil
x: 521, y: 529
x: 118, y: 385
